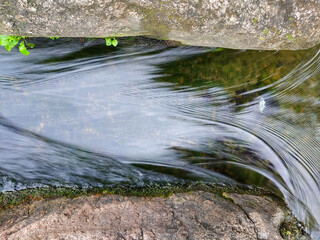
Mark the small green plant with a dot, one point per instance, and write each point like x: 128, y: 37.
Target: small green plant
x: 265, y: 31
x: 10, y: 42
x: 290, y: 37
x: 112, y: 41
x: 255, y: 20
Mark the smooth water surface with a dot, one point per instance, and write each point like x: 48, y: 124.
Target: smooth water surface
x: 75, y: 114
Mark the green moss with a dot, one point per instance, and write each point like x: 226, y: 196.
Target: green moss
x: 155, y: 23
x: 9, y: 199
x: 291, y: 229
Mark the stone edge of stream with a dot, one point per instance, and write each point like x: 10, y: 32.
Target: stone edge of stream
x: 290, y: 227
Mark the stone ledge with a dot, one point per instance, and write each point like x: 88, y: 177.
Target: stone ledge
x: 197, y: 215
x: 252, y: 24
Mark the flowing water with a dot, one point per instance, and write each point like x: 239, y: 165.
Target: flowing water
x: 74, y: 114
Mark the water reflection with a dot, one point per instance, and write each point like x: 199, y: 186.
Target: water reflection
x: 91, y: 116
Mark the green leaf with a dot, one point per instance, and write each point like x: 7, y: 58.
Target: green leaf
x: 108, y: 41
x: 30, y: 45
x: 13, y: 41
x: 23, y: 49
x: 8, y: 47
x: 4, y: 40
x: 114, y: 42
x: 217, y: 49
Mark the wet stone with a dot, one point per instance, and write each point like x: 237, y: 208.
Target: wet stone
x: 252, y: 24
x: 198, y: 215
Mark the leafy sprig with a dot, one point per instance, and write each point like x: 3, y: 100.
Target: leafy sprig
x: 112, y: 42
x: 10, y: 42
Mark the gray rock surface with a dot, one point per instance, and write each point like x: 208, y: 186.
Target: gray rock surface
x: 241, y: 24
x: 198, y: 215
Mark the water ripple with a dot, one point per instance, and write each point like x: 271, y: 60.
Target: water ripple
x: 75, y: 115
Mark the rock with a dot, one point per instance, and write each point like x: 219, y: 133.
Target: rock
x: 250, y: 24
x: 198, y: 215
x: 265, y: 215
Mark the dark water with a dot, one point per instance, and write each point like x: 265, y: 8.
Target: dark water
x: 76, y: 114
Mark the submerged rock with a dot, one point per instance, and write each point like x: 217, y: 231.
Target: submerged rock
x: 252, y: 24
x: 198, y: 215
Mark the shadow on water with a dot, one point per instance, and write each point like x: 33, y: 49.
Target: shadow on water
x: 86, y: 115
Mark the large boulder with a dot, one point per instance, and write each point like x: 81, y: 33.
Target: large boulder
x: 198, y: 215
x: 242, y: 24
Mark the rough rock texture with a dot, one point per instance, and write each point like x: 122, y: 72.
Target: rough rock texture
x: 199, y: 215
x: 264, y: 214
x: 247, y: 24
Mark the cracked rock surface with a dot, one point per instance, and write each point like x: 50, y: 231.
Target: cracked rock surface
x: 198, y: 215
